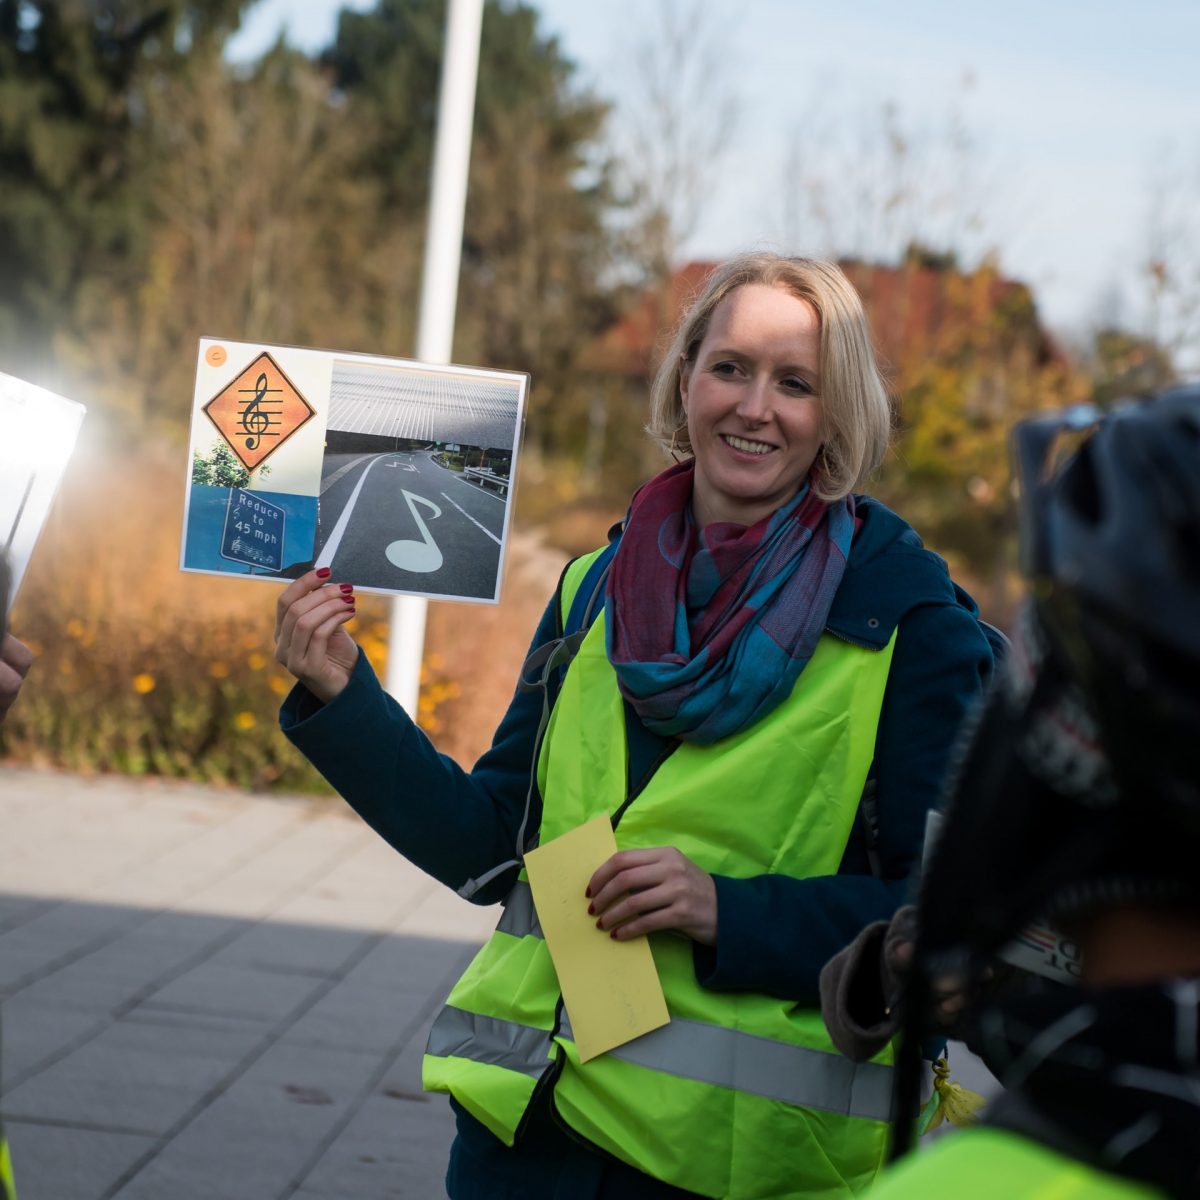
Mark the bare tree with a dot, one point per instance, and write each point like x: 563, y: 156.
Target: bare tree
x: 1171, y: 269
x: 872, y: 182
x: 678, y: 114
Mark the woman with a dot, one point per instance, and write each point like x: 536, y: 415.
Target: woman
x: 763, y: 707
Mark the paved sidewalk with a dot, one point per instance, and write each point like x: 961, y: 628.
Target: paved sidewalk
x: 212, y: 996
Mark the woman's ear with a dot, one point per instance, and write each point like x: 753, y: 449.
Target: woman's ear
x: 685, y: 379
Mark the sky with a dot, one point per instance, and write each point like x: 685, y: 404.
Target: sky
x: 1076, y: 109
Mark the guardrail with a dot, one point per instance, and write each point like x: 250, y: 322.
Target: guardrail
x: 487, y: 478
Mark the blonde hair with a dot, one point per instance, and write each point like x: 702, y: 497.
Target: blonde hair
x: 855, y: 411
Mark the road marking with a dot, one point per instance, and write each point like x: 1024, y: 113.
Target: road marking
x: 326, y: 484
x: 409, y: 554
x: 480, y: 489
x: 330, y: 548
x: 472, y: 519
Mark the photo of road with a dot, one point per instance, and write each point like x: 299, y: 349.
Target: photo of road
x: 401, y: 521
x: 415, y: 477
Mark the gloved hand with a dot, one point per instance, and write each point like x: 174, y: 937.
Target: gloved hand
x: 861, y: 985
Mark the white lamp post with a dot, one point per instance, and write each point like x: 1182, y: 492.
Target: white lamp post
x: 439, y: 285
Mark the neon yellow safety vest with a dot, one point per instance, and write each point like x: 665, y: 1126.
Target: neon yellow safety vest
x: 8, y: 1189
x: 993, y: 1164
x: 742, y: 1095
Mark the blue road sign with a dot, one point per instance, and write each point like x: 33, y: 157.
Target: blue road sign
x: 253, y: 531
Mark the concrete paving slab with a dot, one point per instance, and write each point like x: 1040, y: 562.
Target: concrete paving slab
x: 234, y: 991
x: 210, y: 994
x: 292, y: 1100
x: 133, y: 1076
x: 391, y: 987
x: 36, y: 1033
x: 376, y: 1157
x: 148, y: 955
x: 62, y: 1163
x: 15, y: 910
x: 399, y: 1143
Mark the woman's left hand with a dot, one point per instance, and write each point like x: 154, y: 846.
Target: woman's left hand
x: 641, y: 891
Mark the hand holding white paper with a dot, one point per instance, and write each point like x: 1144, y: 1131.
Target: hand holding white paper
x: 38, y: 430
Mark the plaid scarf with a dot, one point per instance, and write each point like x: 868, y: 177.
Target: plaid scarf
x: 709, y: 629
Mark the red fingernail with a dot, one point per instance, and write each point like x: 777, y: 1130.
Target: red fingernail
x: 614, y: 937
x: 599, y: 925
x: 346, y: 587
x: 587, y: 891
x: 323, y: 572
x: 591, y: 910
x: 348, y: 599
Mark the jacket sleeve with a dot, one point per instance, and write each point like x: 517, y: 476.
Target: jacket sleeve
x: 774, y: 932
x: 451, y: 823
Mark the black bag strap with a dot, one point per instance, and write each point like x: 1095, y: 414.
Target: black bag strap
x: 537, y: 675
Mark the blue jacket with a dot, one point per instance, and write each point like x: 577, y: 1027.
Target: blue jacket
x: 775, y: 932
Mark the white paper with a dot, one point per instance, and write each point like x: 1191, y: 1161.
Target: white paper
x: 37, y: 434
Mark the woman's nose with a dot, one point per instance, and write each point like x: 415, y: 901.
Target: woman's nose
x: 754, y: 404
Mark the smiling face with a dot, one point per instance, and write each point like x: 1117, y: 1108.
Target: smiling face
x: 751, y: 395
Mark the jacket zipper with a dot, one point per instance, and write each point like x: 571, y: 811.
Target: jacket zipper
x: 645, y: 782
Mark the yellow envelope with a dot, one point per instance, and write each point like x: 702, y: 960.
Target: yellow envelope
x: 611, y: 989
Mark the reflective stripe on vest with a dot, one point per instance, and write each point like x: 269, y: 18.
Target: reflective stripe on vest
x: 708, y: 1053
x: 519, y: 917
x: 774, y: 1070
x: 742, y: 1095
x: 692, y: 1050
x: 489, y: 1040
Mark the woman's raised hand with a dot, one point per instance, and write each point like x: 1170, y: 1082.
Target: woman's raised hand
x: 310, y: 638
x: 15, y: 660
x: 640, y: 891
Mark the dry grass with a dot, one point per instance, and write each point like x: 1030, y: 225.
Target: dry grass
x: 143, y: 669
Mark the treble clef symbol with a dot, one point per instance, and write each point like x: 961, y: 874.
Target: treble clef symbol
x: 254, y: 421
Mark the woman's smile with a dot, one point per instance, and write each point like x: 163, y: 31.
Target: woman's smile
x: 746, y: 446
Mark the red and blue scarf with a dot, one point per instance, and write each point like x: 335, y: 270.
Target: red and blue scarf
x: 709, y: 629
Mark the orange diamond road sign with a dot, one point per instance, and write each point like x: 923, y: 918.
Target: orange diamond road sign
x: 258, y: 411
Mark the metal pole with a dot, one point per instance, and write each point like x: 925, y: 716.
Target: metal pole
x: 439, y: 285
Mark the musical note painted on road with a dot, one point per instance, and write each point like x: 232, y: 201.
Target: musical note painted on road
x: 255, y: 420
x: 408, y: 554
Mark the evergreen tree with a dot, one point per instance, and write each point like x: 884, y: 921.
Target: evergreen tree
x: 74, y: 75
x: 221, y: 468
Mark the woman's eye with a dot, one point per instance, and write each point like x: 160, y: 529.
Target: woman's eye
x: 724, y: 368
x: 794, y: 383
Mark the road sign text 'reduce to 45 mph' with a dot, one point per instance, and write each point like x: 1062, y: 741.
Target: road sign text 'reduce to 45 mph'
x: 253, y: 531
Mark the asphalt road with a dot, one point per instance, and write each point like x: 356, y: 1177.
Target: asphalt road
x: 400, y: 521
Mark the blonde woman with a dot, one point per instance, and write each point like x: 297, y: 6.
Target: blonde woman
x: 763, y: 707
